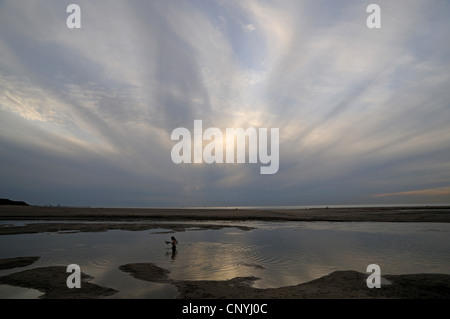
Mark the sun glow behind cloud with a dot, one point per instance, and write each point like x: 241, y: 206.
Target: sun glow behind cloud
x: 360, y: 111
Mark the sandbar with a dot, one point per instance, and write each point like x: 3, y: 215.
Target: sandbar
x: 346, y: 284
x: 51, y: 281
x: 363, y: 214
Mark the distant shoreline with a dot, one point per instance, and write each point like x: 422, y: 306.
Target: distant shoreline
x: 438, y: 214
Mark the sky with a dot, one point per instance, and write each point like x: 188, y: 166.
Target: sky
x: 86, y: 114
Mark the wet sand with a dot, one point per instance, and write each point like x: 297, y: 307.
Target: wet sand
x: 61, y: 227
x: 122, y: 217
x: 9, y: 263
x: 393, y: 214
x: 51, y: 281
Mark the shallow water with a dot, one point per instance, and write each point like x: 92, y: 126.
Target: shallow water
x: 281, y: 254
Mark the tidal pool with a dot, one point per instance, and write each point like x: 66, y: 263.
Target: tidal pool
x: 280, y: 254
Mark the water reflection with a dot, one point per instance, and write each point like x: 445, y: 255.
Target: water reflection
x: 172, y: 254
x: 281, y: 254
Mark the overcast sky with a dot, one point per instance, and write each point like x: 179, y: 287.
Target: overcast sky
x: 86, y: 115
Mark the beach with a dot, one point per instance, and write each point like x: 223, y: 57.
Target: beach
x: 379, y: 214
x: 343, y: 284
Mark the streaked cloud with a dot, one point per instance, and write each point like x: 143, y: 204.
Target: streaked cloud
x: 440, y: 191
x: 86, y: 115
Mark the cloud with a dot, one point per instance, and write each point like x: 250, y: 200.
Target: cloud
x: 360, y: 111
x: 440, y: 191
x: 249, y: 28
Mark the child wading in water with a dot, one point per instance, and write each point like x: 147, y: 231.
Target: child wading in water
x: 174, y: 243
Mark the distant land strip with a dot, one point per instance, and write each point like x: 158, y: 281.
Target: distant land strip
x: 5, y: 201
x: 373, y: 214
